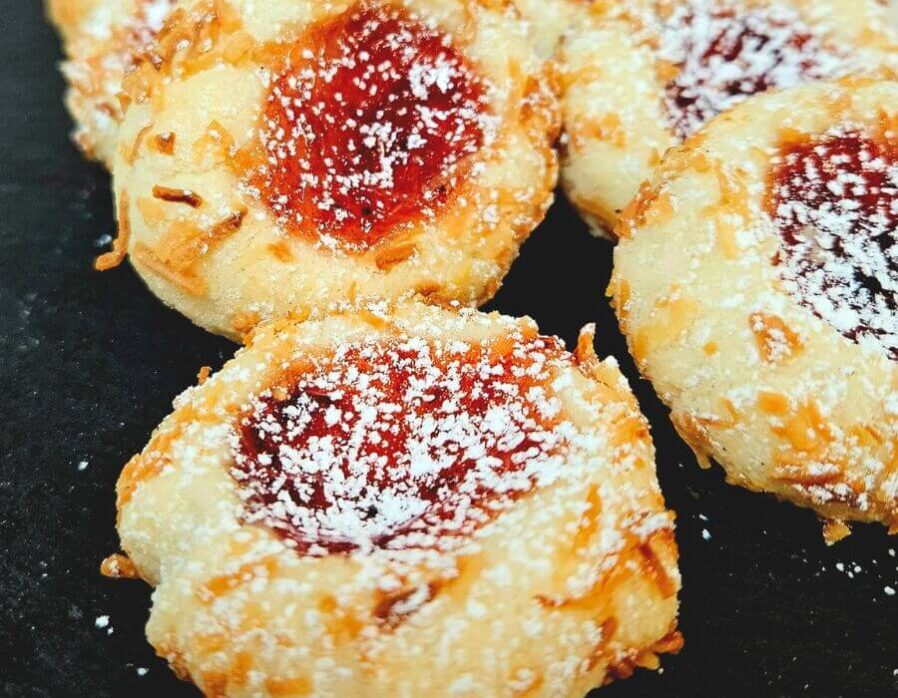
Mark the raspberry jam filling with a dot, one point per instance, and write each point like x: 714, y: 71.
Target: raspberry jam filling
x: 834, y: 200
x: 400, y: 445
x: 725, y: 53
x: 369, y: 128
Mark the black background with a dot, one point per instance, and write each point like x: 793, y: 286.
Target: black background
x: 89, y: 364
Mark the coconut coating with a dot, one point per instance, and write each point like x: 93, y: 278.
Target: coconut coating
x: 756, y: 289
x: 103, y: 41
x: 504, y: 538
x: 366, y: 150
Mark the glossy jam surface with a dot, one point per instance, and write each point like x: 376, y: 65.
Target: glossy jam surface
x: 724, y: 53
x: 400, y: 445
x: 834, y: 200
x: 369, y: 128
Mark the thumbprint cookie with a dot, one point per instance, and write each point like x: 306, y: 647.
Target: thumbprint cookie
x: 288, y: 156
x: 403, y: 501
x: 104, y: 40
x: 757, y: 283
x: 639, y: 76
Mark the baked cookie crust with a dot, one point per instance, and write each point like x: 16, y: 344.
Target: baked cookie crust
x: 327, y: 175
x: 399, y: 500
x: 756, y: 287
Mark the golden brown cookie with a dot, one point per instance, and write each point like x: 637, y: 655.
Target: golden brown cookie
x: 757, y: 283
x: 364, y: 150
x: 404, y: 501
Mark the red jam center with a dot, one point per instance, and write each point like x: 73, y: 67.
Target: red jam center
x: 396, y: 446
x: 725, y: 54
x: 835, y: 203
x: 369, y: 127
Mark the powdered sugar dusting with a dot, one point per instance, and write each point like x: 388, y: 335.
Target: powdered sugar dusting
x: 368, y: 128
x: 406, y: 444
x: 726, y: 52
x: 835, y: 202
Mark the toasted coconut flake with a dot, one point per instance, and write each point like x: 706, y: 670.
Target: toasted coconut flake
x: 119, y: 566
x: 394, y: 254
x: 164, y: 143
x: 180, y: 196
x: 112, y: 259
x: 245, y: 322
x: 187, y: 282
x: 834, y: 531
x: 203, y: 374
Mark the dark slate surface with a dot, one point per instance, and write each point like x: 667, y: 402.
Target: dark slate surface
x: 89, y: 364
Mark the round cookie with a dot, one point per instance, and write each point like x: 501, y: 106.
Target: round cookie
x: 638, y: 76
x: 397, y: 501
x: 365, y: 150
x: 103, y: 41
x: 756, y: 282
